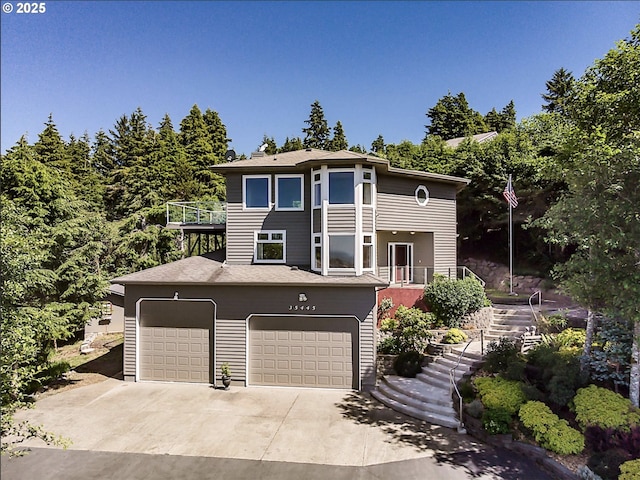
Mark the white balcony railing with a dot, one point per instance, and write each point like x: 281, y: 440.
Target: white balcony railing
x: 197, y: 213
x: 407, y: 275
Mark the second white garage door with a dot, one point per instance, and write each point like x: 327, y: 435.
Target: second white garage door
x: 303, y: 352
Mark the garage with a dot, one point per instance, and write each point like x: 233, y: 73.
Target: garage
x: 176, y: 340
x: 304, y: 351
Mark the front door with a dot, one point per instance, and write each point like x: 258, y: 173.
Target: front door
x: 400, y: 262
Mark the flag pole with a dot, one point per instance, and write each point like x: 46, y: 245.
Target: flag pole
x: 510, y: 242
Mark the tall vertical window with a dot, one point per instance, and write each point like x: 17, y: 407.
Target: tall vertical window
x: 342, y: 251
x: 289, y: 192
x: 317, y: 252
x: 366, y: 187
x: 341, y: 188
x: 317, y: 190
x: 256, y: 191
x: 367, y: 252
x: 269, y: 246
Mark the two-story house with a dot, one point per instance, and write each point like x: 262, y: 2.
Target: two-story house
x: 311, y: 237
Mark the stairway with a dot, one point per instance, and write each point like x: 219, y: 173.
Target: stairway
x: 428, y: 396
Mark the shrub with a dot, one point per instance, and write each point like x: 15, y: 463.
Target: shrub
x: 607, y: 464
x: 630, y: 470
x: 475, y: 408
x: 500, y: 354
x: 571, y: 338
x: 389, y: 325
x: 499, y: 393
x: 450, y: 300
x: 601, y: 407
x: 496, y: 421
x: 465, y: 387
x: 610, y: 356
x: 412, y: 332
x: 386, y: 304
x: 549, y: 430
x: 454, y: 335
x: 389, y: 346
x: 408, y: 364
x: 602, y: 439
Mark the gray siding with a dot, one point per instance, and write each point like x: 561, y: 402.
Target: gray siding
x: 367, y: 219
x: 342, y: 219
x: 241, y: 225
x: 232, y: 310
x: 398, y: 210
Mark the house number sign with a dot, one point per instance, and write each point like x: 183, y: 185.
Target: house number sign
x: 302, y: 297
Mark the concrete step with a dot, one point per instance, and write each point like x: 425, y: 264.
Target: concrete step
x: 465, y: 361
x: 438, y: 379
x: 510, y: 321
x: 508, y: 327
x: 443, y: 366
x: 472, y: 355
x: 438, y: 419
x: 419, y: 396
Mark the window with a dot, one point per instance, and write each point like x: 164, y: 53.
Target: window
x: 317, y: 252
x: 367, y: 253
x: 257, y: 191
x: 269, y: 247
x: 366, y: 187
x: 341, y: 189
x: 317, y: 190
x: 342, y: 251
x: 422, y: 195
x: 289, y: 192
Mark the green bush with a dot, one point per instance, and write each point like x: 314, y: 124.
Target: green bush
x: 389, y: 346
x: 475, y: 408
x: 601, y: 407
x: 388, y: 325
x: 607, y: 464
x: 413, y: 328
x: 450, y: 300
x: 465, y: 387
x: 571, y: 338
x: 630, y: 470
x: 454, y: 335
x: 549, y: 430
x: 496, y: 421
x: 500, y: 355
x: 499, y: 393
x: 408, y: 364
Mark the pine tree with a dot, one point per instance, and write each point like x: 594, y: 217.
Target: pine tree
x: 558, y: 91
x: 452, y: 117
x: 378, y: 146
x: 317, y: 132
x: 339, y: 140
x: 291, y: 145
x: 51, y: 149
x: 271, y: 148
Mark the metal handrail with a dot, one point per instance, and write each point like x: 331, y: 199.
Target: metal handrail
x: 452, y: 380
x: 471, y: 273
x: 539, y: 293
x: 204, y: 213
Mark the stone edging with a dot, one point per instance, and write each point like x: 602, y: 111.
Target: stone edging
x: 537, y: 454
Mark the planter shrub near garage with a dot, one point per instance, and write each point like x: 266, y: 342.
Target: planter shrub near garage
x: 450, y: 300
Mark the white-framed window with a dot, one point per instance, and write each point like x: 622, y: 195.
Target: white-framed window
x: 317, y: 189
x: 270, y: 246
x: 367, y: 252
x: 317, y: 252
x: 256, y: 192
x: 290, y: 192
x: 367, y: 187
x: 422, y: 195
x: 341, y: 187
x: 342, y: 251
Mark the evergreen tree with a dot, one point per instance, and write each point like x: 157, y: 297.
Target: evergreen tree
x: 51, y: 149
x: 89, y: 184
x: 272, y: 148
x: 217, y: 135
x: 358, y: 149
x: 378, y: 146
x: 501, y: 121
x: 451, y: 117
x: 317, y: 132
x: 339, y: 140
x: 558, y: 91
x: 291, y: 145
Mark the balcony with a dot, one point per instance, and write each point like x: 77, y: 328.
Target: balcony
x: 204, y: 215
x: 407, y: 276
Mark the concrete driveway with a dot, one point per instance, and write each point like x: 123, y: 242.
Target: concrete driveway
x: 176, y: 427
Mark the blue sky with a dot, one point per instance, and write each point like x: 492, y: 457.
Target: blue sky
x: 375, y: 66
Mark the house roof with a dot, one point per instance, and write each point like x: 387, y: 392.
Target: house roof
x: 303, y: 159
x: 480, y: 137
x: 205, y: 270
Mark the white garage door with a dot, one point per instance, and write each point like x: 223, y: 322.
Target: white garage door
x: 303, y: 352
x: 176, y: 339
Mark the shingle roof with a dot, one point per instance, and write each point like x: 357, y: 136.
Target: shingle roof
x: 480, y: 137
x: 299, y: 158
x: 204, y: 270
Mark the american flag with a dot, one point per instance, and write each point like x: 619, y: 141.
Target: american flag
x: 510, y: 194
